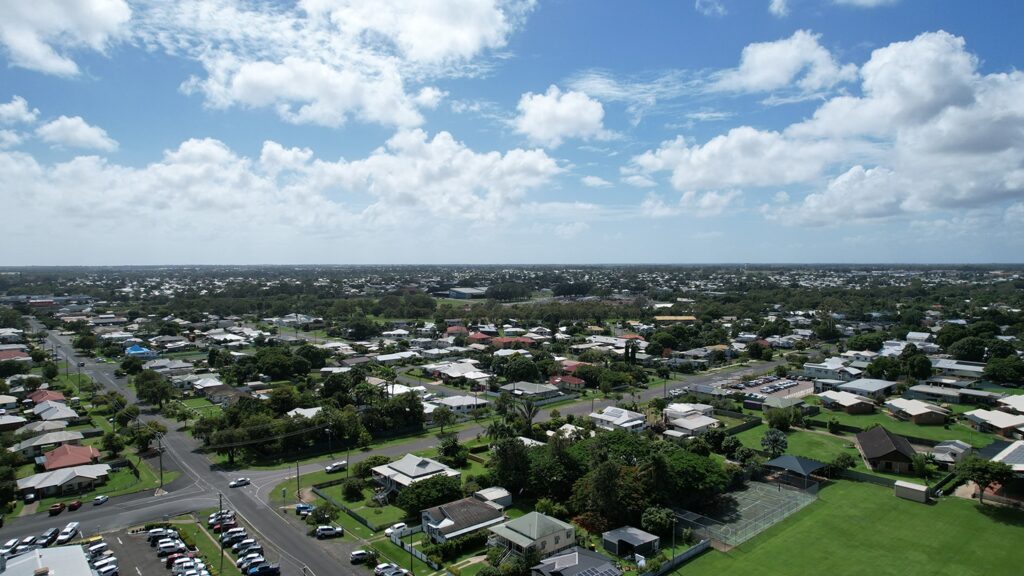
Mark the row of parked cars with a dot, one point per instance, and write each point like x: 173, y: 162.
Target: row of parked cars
x: 15, y: 547
x: 248, y: 551
x: 101, y: 557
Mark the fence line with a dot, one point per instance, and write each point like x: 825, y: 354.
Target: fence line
x: 341, y: 506
x: 865, y: 477
x: 396, y: 539
x: 734, y: 535
x: 680, y: 559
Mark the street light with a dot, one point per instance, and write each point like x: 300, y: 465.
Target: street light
x: 330, y: 447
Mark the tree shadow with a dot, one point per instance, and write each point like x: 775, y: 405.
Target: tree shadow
x: 1002, y: 514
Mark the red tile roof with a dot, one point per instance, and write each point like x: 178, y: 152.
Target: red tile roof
x: 479, y: 336
x: 569, y: 380
x: 13, y: 355
x: 456, y: 330
x: 46, y: 395
x: 67, y: 455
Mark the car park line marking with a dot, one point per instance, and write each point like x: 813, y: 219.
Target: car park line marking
x: 119, y: 541
x: 137, y: 571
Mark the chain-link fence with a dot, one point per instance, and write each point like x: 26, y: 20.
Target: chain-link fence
x: 752, y: 511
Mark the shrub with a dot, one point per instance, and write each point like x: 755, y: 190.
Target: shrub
x: 352, y: 489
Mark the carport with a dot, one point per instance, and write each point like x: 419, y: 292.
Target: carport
x: 627, y: 541
x: 797, y: 465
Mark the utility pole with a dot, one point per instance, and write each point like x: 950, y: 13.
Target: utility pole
x: 220, y: 506
x: 298, y: 487
x: 160, y: 453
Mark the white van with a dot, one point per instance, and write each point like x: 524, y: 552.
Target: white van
x: 96, y: 549
x: 108, y: 571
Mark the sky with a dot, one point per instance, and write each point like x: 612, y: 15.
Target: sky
x: 511, y: 131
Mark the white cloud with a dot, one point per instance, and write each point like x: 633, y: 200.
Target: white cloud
x: 74, y: 132
x: 38, y: 35
x: 551, y: 117
x: 699, y: 204
x: 275, y: 158
x: 9, y: 139
x: 710, y: 7
x: 326, y: 61
x: 203, y: 190
x: 742, y: 157
x: 17, y: 111
x: 641, y: 95
x: 570, y: 230
x: 779, y: 8
x: 903, y: 83
x: 927, y: 133
x: 799, y: 59
x: 639, y: 181
x: 595, y: 182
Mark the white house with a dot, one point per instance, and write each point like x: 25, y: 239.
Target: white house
x: 615, y: 418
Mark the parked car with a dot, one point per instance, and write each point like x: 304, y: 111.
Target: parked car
x: 358, y: 556
x: 329, y: 531
x: 230, y: 540
x: 265, y: 570
x: 9, y: 546
x: 171, y: 558
x: 250, y: 560
x: 336, y: 467
x: 380, y: 569
x: 223, y: 525
x: 238, y: 483
x: 48, y: 537
x: 69, y: 532
x: 57, y: 508
x: 220, y: 516
x: 243, y: 544
x: 253, y: 549
x: 304, y: 509
x: 399, y: 527
x: 74, y: 505
x: 101, y: 499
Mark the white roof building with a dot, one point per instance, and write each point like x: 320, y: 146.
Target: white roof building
x: 304, y: 412
x: 914, y: 407
x: 615, y: 418
x: 844, y: 399
x: 1013, y: 403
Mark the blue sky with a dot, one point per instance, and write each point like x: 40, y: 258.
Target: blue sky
x: 480, y: 131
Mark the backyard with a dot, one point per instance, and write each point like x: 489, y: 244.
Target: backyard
x: 858, y: 528
x: 954, y: 431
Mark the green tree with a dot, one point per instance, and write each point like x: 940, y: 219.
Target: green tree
x: 443, y: 416
x: 779, y: 418
x: 774, y: 442
x: 126, y: 415
x: 658, y: 521
x: 131, y: 365
x: 430, y: 492
x: 730, y: 445
x: 924, y: 465
x: 984, y: 473
x: 112, y: 443
x: 153, y: 388
x: 50, y: 371
x: 970, y: 348
x: 919, y: 367
x: 511, y: 464
x: 1005, y: 370
x: 526, y: 411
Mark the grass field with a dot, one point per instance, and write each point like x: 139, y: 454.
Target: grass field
x: 857, y: 528
x: 821, y: 447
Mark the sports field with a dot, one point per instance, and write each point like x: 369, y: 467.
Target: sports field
x: 748, y: 512
x: 856, y: 528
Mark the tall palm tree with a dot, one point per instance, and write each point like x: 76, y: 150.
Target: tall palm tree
x: 527, y: 410
x: 499, y: 430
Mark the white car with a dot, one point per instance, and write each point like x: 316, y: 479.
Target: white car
x: 329, y: 531
x: 399, y: 527
x: 238, y: 482
x: 9, y: 546
x: 336, y: 467
x: 100, y: 499
x: 69, y: 532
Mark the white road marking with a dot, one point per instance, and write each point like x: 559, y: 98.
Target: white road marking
x: 119, y: 541
x: 139, y: 572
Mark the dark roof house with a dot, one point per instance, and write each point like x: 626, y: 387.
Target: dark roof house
x: 576, y: 562
x: 459, y: 518
x: 886, y: 451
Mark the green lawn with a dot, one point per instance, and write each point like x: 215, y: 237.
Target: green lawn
x: 858, y: 528
x: 954, y: 431
x: 379, y: 516
x: 821, y: 447
x: 392, y: 553
x: 208, y: 546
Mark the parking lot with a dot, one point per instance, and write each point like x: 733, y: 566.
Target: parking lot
x: 134, y: 555
x: 775, y: 387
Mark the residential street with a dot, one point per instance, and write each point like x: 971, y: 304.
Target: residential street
x: 201, y: 483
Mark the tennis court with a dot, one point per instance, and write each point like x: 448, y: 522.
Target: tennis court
x: 742, y: 514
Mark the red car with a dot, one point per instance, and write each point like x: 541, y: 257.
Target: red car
x: 169, y: 561
x: 226, y: 525
x: 57, y: 508
x: 75, y: 505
